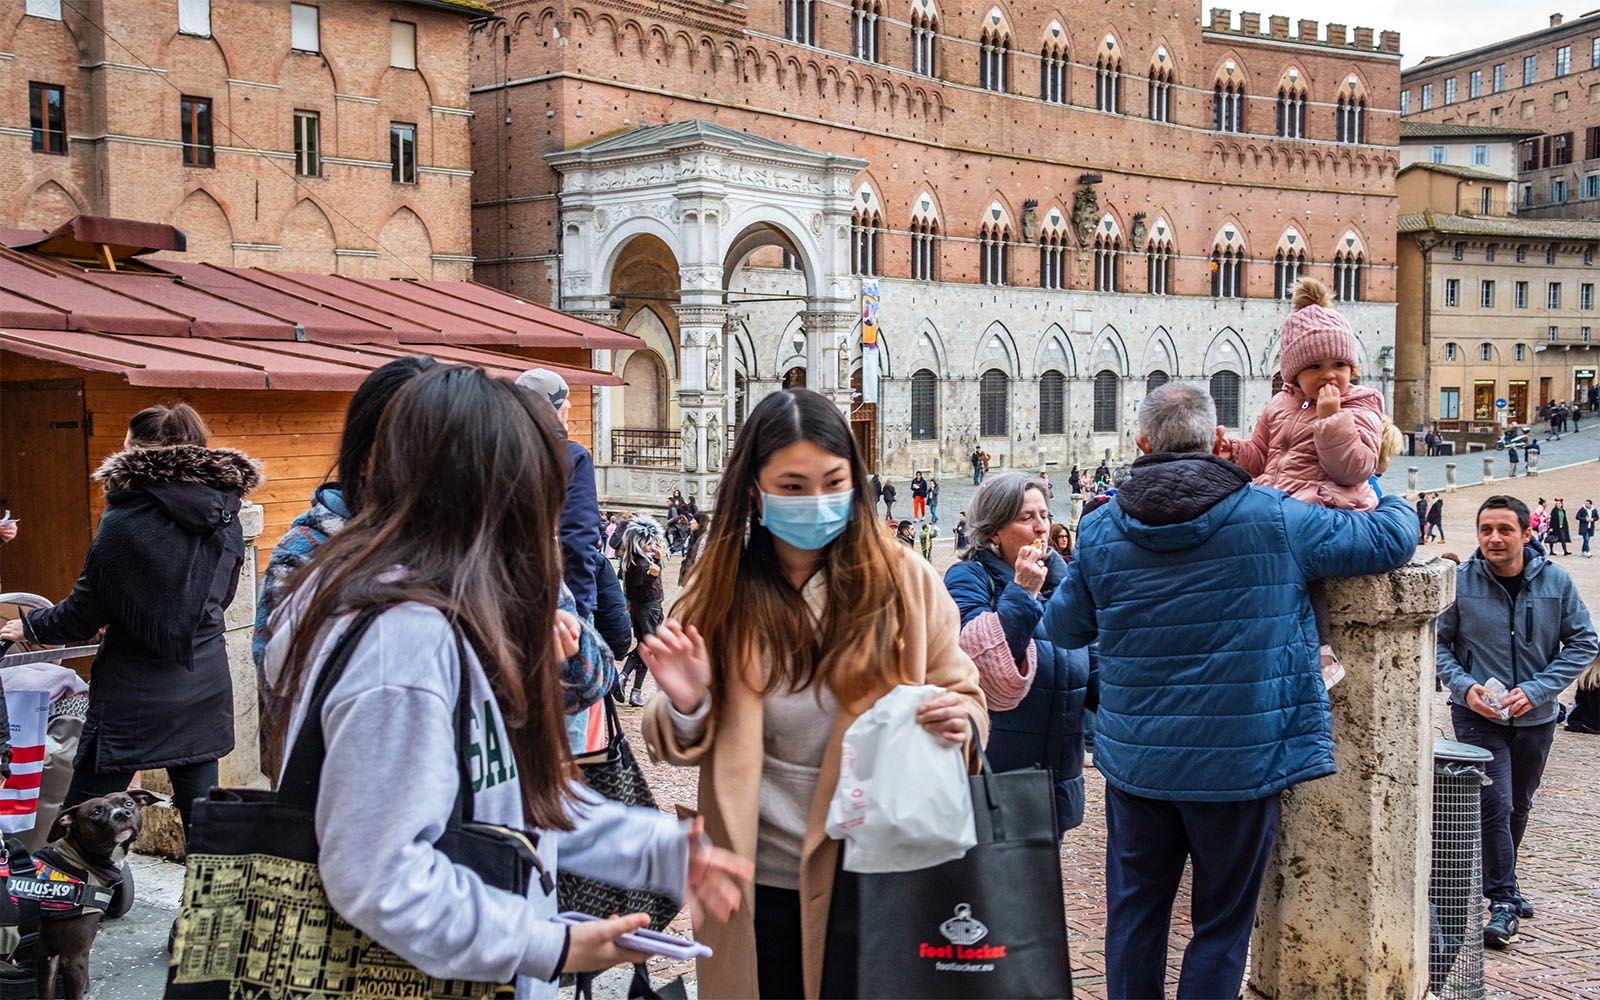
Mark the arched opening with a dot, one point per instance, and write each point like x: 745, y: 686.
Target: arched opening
x: 1155, y: 380
x: 644, y: 398
x: 644, y: 419
x: 924, y: 405
x: 863, y: 422
x: 994, y: 410
x: 1225, y: 393
x: 1107, y: 401
x: 795, y: 378
x: 1052, y: 403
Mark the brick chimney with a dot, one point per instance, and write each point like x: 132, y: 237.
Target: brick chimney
x: 1555, y: 20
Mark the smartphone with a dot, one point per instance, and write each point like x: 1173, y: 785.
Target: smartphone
x: 646, y: 940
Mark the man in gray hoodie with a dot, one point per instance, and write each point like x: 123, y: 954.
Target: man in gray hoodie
x: 1517, y: 619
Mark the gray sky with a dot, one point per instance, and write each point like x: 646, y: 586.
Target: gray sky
x: 1427, y: 27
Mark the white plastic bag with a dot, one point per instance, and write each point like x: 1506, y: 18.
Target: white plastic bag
x: 902, y: 802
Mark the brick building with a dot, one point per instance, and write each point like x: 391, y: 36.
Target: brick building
x: 1060, y: 207
x: 302, y: 137
x: 1547, y: 80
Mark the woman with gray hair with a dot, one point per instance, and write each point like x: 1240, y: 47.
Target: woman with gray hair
x: 1036, y: 690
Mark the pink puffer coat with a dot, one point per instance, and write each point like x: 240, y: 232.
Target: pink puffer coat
x: 1325, y: 462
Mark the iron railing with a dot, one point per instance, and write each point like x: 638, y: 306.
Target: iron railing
x: 658, y: 449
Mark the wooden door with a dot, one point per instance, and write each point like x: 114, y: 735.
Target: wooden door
x: 864, y: 424
x: 44, y: 481
x: 1517, y: 402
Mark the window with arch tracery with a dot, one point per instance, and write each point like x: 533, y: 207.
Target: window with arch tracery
x: 864, y: 16
x: 865, y: 230
x: 1108, y: 84
x: 1350, y: 119
x: 924, y: 250
x: 924, y: 405
x: 1053, y: 248
x: 1052, y: 403
x: 1053, y: 74
x: 1158, y: 267
x: 924, y: 36
x: 1160, y: 100
x: 994, y: 409
x: 1227, y: 106
x: 1155, y: 380
x: 799, y: 21
x: 1347, y: 277
x: 994, y: 60
x: 1107, y: 400
x: 1107, y: 252
x: 1227, y: 272
x: 1287, y: 266
x: 1225, y: 393
x: 1291, y: 112
x: 994, y: 248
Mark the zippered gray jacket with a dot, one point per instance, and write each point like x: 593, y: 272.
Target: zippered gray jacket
x: 1541, y: 645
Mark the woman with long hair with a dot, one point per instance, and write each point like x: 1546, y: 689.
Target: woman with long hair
x: 797, y: 616
x: 1061, y: 541
x: 162, y: 569
x: 642, y: 563
x: 1036, y: 689
x: 455, y: 544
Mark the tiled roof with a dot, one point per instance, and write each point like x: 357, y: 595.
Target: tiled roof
x: 1471, y: 173
x: 1499, y: 225
x: 1447, y: 130
x: 473, y: 7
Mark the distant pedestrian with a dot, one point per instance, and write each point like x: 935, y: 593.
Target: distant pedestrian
x: 1577, y: 417
x: 641, y: 581
x: 904, y: 535
x: 933, y: 500
x: 1513, y: 456
x: 1422, y: 518
x: 1436, y: 517
x: 875, y: 486
x: 1560, y: 530
x: 1102, y: 474
x: 983, y: 462
x: 961, y: 534
x: 888, y: 499
x: 919, y: 496
x: 1075, y: 480
x: 1587, y: 514
x: 977, y: 465
x: 925, y: 540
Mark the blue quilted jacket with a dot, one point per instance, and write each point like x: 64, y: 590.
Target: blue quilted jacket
x: 1046, y: 729
x: 1194, y: 583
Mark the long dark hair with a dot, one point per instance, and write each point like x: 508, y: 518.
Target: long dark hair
x: 749, y: 613
x: 464, y: 493
x: 361, y: 422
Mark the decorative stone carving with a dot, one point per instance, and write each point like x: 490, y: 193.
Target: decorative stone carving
x: 602, y: 220
x: 1140, y: 233
x: 691, y: 436
x: 701, y: 276
x: 816, y: 223
x: 713, y: 444
x: 1085, y: 213
x: 1030, y: 220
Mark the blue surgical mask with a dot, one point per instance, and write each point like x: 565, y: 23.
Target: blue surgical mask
x: 806, y: 522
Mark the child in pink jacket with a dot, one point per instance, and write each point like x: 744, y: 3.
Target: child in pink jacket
x: 1318, y: 439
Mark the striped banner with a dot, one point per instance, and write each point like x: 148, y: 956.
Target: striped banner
x: 19, y: 796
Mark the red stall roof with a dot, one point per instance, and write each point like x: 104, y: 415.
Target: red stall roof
x: 77, y: 295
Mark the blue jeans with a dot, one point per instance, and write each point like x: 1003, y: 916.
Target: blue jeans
x: 1147, y: 843
x: 933, y: 514
x: 1584, y: 535
x: 1514, y: 773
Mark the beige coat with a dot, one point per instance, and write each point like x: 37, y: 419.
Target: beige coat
x: 729, y: 756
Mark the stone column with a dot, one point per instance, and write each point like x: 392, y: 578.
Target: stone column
x: 1344, y: 907
x: 1449, y: 477
x: 700, y: 400
x: 828, y: 325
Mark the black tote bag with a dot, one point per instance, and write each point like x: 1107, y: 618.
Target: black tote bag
x: 990, y: 924
x: 255, y: 920
x: 616, y: 774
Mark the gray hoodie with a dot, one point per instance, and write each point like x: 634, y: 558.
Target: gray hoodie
x: 388, y: 783
x: 1541, y: 645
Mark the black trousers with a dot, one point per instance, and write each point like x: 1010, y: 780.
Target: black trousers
x: 646, y: 620
x: 1514, y: 773
x: 1147, y: 843
x: 780, y: 972
x: 189, y: 782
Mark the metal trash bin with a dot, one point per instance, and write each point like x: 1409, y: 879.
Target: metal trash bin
x: 1455, y: 883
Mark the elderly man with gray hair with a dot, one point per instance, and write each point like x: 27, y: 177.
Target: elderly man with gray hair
x: 1211, y: 701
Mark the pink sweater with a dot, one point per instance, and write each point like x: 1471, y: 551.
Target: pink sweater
x: 1320, y: 461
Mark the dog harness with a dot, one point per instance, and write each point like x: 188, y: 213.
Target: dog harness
x: 59, y: 885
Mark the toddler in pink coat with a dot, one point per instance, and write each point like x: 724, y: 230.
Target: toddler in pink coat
x: 1318, y: 440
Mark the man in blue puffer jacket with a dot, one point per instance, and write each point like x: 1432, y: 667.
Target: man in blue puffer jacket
x: 1210, y: 698
x: 1001, y: 587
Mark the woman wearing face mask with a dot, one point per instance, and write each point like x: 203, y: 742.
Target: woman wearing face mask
x: 798, y: 615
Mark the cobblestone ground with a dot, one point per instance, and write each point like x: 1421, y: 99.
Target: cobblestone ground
x: 1559, y: 951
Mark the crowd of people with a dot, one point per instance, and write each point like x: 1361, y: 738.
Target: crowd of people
x: 1182, y: 634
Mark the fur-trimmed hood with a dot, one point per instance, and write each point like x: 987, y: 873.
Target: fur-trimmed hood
x: 220, y: 468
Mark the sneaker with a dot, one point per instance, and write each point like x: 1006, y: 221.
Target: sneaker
x: 1501, y: 930
x: 1332, y: 669
x: 636, y: 699
x: 1524, y: 908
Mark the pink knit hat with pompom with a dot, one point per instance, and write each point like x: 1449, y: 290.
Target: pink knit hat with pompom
x: 1314, y: 332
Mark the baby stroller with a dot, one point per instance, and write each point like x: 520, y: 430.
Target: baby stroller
x: 36, y: 756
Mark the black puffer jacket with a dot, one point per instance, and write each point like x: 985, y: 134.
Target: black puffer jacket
x: 162, y: 568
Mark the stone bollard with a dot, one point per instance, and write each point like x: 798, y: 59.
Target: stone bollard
x: 1411, y: 480
x: 1449, y: 477
x: 1533, y: 463
x: 1488, y: 468
x: 1076, y: 509
x: 1344, y: 906
x: 162, y: 830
